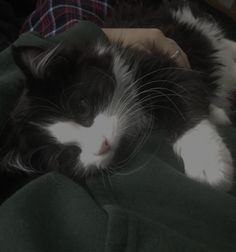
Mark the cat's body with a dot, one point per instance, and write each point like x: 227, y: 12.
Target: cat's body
x: 77, y: 111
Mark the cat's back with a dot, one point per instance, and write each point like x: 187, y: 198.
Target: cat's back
x: 195, y: 31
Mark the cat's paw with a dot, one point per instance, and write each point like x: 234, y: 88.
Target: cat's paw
x: 206, y: 157
x: 213, y: 167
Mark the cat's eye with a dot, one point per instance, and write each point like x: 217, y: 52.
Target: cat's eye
x: 83, y: 107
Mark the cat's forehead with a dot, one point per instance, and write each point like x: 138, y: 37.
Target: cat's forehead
x: 101, y: 71
x: 109, y: 58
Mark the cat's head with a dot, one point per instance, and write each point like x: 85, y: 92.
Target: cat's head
x: 87, y: 98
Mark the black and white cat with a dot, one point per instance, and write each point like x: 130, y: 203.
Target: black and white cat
x: 79, y: 108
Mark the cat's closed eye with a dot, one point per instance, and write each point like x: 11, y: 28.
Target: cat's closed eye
x: 83, y: 113
x: 83, y: 108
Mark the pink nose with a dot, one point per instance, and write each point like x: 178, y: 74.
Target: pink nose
x: 105, y: 147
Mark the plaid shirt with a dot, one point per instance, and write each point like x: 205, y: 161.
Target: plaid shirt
x: 55, y: 16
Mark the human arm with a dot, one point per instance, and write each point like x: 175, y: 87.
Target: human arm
x: 141, y: 37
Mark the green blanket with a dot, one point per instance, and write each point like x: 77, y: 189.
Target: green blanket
x: 148, y: 206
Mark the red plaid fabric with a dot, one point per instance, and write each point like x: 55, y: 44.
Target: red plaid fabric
x: 54, y: 16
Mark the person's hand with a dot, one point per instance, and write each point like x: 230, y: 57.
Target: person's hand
x: 142, y: 37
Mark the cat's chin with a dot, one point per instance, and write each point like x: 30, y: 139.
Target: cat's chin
x: 93, y: 163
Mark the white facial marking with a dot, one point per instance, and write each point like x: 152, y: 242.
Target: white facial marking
x: 125, y: 103
x: 121, y: 71
x: 205, y: 156
x: 89, y: 139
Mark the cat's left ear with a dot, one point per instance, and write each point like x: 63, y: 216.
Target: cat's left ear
x: 34, y: 61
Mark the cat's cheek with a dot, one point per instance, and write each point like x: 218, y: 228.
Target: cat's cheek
x: 106, y: 161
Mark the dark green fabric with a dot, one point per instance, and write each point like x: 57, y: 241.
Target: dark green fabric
x: 149, y: 205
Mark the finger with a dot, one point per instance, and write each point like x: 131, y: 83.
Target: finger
x: 184, y: 60
x: 172, y: 46
x: 181, y: 61
x: 185, y: 57
x: 177, y: 54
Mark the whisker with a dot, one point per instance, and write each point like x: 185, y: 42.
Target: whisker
x: 138, y: 147
x: 104, y: 73
x: 168, y: 68
x: 136, y: 108
x: 167, y: 81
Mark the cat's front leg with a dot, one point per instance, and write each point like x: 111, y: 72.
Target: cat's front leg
x: 206, y: 157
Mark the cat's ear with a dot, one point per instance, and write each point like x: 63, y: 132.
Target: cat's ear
x: 35, y: 62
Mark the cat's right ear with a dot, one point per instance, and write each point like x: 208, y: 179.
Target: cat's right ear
x: 25, y: 58
x: 34, y: 61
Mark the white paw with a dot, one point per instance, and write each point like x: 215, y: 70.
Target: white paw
x: 211, y: 167
x: 206, y: 157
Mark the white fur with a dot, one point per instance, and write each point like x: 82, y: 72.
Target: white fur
x: 100, y: 48
x: 205, y: 156
x: 218, y: 116
x: 225, y: 52
x: 125, y: 102
x: 14, y: 160
x: 39, y: 63
x: 121, y: 71
x: 89, y: 139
